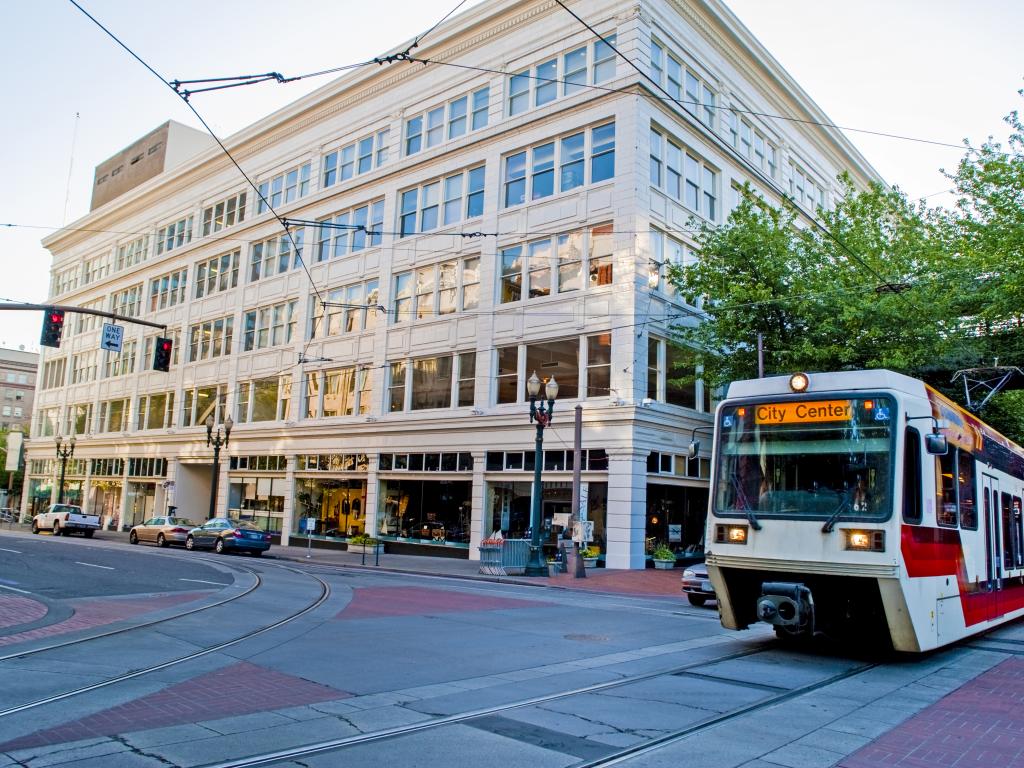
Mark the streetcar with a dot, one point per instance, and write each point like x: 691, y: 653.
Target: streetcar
x: 862, y: 505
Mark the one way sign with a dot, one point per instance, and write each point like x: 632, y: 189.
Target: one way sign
x: 112, y: 337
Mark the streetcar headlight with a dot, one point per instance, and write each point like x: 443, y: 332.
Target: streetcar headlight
x: 798, y: 382
x: 730, y: 534
x: 865, y: 541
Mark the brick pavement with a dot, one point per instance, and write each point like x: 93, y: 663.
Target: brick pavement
x: 385, y: 602
x: 19, y: 610
x: 239, y: 689
x: 93, y: 613
x: 980, y: 724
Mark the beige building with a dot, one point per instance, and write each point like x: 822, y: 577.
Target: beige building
x: 18, y: 379
x: 457, y: 227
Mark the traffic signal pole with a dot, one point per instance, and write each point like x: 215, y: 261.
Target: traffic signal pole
x: 82, y: 311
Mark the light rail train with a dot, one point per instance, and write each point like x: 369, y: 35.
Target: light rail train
x: 860, y: 505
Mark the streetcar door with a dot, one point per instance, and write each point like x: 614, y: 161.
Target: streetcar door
x: 993, y: 548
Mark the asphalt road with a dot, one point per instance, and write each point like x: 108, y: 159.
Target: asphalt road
x: 71, y: 567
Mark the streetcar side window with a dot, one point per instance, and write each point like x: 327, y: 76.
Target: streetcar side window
x: 1018, y: 528
x: 945, y: 489
x: 912, y: 477
x: 965, y: 475
x: 1009, y: 540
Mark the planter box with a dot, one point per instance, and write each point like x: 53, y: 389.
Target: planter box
x: 368, y: 549
x: 589, y: 562
x: 664, y: 565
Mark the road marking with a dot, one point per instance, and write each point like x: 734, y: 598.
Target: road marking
x: 93, y: 565
x: 15, y: 551
x: 15, y: 589
x: 200, y: 581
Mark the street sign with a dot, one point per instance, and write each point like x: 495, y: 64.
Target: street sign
x: 113, y: 335
x: 583, y: 531
x: 310, y: 524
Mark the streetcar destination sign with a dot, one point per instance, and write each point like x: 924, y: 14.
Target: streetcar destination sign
x: 799, y: 413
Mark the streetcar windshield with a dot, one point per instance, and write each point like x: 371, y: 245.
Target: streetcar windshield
x: 806, y: 458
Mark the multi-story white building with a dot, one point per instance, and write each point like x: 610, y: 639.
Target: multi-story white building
x: 459, y: 225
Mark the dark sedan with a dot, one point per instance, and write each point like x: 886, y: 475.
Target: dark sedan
x: 225, y: 534
x: 696, y: 585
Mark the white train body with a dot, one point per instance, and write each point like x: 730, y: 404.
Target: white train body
x: 835, y: 510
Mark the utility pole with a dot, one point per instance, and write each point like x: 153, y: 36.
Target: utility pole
x: 579, y: 569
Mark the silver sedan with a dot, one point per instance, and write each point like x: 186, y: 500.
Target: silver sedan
x: 162, y: 530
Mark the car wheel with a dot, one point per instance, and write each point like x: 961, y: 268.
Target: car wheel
x: 88, y: 533
x: 219, y: 546
x: 190, y: 543
x: 55, y: 531
x: 697, y: 600
x: 161, y: 541
x: 133, y: 538
x: 35, y: 527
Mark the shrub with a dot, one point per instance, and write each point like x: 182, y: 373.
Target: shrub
x: 663, y: 552
x: 363, y: 539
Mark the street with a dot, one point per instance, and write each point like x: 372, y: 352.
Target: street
x: 139, y: 656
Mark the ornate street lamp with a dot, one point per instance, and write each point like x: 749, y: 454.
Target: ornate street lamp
x: 542, y: 417
x: 63, y: 453
x: 216, y: 439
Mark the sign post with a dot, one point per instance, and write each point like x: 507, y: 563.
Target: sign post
x: 310, y: 527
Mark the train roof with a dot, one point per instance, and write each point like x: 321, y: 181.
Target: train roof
x: 871, y: 380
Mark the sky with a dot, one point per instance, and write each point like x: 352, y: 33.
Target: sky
x: 940, y: 70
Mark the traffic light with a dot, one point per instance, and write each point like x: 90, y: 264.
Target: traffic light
x: 162, y: 354
x: 53, y: 327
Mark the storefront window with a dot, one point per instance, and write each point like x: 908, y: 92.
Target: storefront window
x: 141, y: 503
x: 39, y: 492
x: 337, y: 505
x: 260, y: 500
x: 510, y: 507
x: 426, y: 511
x: 676, y: 516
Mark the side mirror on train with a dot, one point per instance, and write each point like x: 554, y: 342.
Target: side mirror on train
x: 935, y: 443
x: 693, y: 450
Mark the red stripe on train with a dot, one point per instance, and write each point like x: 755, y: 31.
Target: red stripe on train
x: 939, y: 552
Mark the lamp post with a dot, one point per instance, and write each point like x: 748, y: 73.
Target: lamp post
x: 64, y: 452
x: 541, y: 416
x: 216, y: 439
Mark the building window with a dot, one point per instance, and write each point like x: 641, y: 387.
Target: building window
x: 199, y: 403
x: 53, y: 374
x: 683, y: 84
x: 804, y: 190
x: 572, y: 164
x: 438, y: 289
x: 450, y: 120
x: 223, y: 214
x: 83, y: 367
x: 275, y: 256
x: 347, y: 310
x: 604, y: 59
x: 155, y: 411
x: 47, y: 421
x: 64, y: 281
x: 666, y: 253
x: 114, y: 416
x: 128, y: 302
x: 283, y: 188
x: 133, y: 253
x: 172, y: 236
x: 122, y: 363
x: 95, y: 269
x: 570, y: 69
x: 84, y: 322
x: 264, y: 400
x: 560, y: 359
x: 350, y: 231
x: 211, y: 339
x: 481, y: 99
x: 269, y: 326
x: 168, y: 290
x: 672, y: 378
x: 358, y: 157
x: 599, y: 365
x: 78, y: 419
x: 336, y: 392
x: 217, y: 274
x: 463, y: 197
x: 529, y: 270
x: 434, y: 382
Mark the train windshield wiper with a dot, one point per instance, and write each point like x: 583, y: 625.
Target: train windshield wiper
x: 742, y: 498
x: 830, y: 524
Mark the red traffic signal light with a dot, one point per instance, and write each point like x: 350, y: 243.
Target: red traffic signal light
x: 162, y: 354
x: 53, y: 328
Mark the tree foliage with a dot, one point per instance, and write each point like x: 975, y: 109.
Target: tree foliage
x: 876, y: 282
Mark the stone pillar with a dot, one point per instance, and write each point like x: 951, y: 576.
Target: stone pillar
x: 372, y: 508
x: 288, y: 515
x: 627, y: 504
x: 478, y: 528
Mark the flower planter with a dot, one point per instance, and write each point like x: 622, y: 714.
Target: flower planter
x: 590, y: 562
x: 368, y: 549
x: 664, y: 565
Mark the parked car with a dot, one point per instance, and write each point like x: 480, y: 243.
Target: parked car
x: 696, y: 584
x: 64, y: 519
x: 163, y: 530
x: 225, y: 534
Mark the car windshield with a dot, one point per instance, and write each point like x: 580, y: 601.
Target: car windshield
x: 180, y: 521
x: 66, y: 508
x: 803, y: 458
x: 243, y: 524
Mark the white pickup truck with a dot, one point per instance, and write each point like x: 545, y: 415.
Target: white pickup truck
x: 65, y: 518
